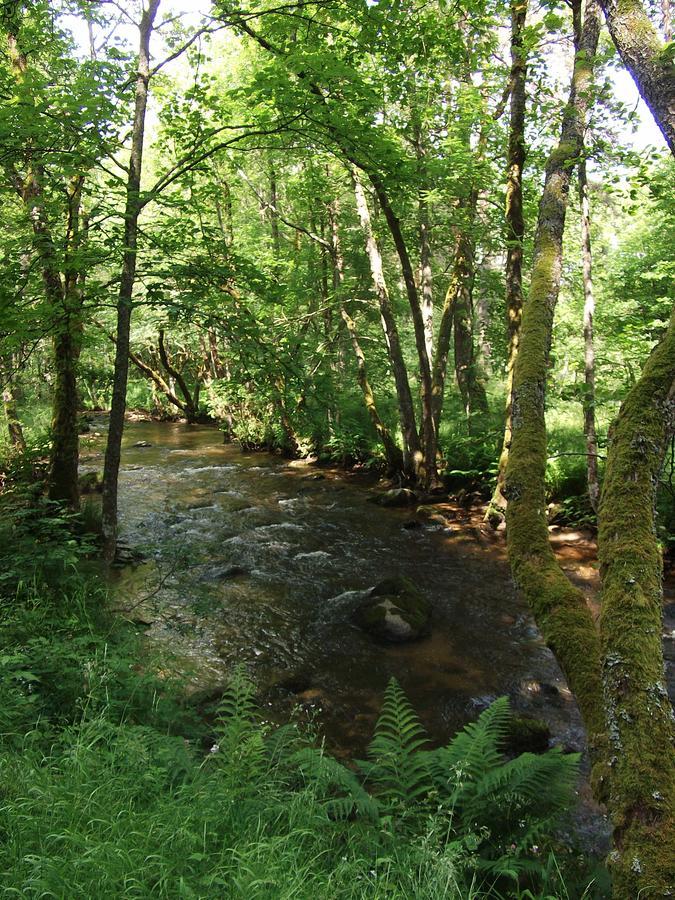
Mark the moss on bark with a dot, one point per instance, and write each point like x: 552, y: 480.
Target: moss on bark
x: 559, y: 608
x: 640, y: 717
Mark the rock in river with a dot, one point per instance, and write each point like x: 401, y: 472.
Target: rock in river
x: 396, y: 497
x: 394, y: 610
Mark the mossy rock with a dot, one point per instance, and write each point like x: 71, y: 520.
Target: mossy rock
x: 394, y: 611
x: 90, y: 482
x: 526, y: 735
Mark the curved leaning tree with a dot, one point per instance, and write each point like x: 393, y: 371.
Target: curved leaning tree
x: 616, y: 673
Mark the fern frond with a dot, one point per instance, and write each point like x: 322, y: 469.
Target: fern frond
x: 396, y: 768
x: 237, y: 726
x: 475, y: 749
x: 340, y: 789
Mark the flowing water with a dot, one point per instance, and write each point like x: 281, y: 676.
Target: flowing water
x: 253, y: 560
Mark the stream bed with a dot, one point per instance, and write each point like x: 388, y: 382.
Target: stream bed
x: 250, y: 559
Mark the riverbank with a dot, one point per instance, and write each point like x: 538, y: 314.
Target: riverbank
x: 251, y: 559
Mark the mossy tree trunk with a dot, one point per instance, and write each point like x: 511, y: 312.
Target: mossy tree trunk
x: 559, y: 608
x: 515, y: 235
x: 640, y: 716
x: 128, y: 277
x: 644, y: 55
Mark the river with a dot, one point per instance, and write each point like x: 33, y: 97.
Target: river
x: 252, y: 560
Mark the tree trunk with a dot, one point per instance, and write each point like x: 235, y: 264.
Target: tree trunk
x: 189, y: 407
x: 426, y: 470
x: 644, y: 55
x: 64, y: 456
x: 406, y: 409
x: 469, y: 381
x: 63, y: 476
x: 515, y: 235
x: 63, y: 482
x: 14, y: 427
x: 640, y: 716
x: 442, y: 349
x: 128, y: 277
x: 393, y: 455
x: 424, y: 229
x: 559, y: 608
x: 589, y: 347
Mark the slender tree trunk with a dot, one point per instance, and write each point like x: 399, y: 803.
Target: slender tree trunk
x: 559, y: 608
x: 443, y: 341
x: 515, y: 234
x: 128, y: 278
x: 426, y: 277
x: 406, y: 409
x: 392, y: 453
x: 424, y: 229
x: 589, y: 347
x: 189, y: 407
x: 469, y: 380
x: 64, y: 456
x: 9, y: 401
x: 217, y: 367
x: 274, y: 217
x: 426, y: 471
x: 63, y: 483
x: 63, y: 479
x: 644, y: 55
x: 640, y: 716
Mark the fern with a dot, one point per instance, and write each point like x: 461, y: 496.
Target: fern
x: 509, y: 806
x: 397, y: 770
x: 475, y: 749
x: 238, y: 727
x: 339, y: 788
x: 468, y: 789
x: 513, y: 803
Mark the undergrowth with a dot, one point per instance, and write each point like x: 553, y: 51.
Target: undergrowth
x: 111, y: 786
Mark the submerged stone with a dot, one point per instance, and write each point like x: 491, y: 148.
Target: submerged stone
x: 396, y: 497
x: 228, y: 572
x: 395, y: 611
x: 303, y: 462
